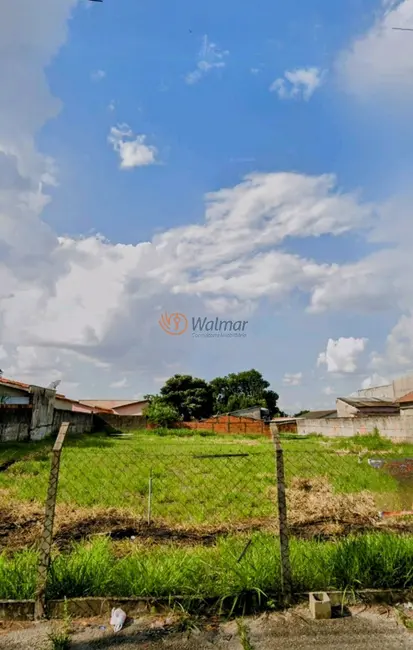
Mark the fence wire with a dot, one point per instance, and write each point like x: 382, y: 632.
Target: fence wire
x: 166, y: 499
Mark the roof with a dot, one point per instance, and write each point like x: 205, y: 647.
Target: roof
x: 368, y: 402
x: 14, y: 384
x: 406, y: 398
x: 111, y: 403
x: 318, y: 415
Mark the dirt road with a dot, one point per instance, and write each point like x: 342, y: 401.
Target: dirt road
x: 366, y: 629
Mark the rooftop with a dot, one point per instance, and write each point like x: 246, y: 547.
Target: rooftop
x: 359, y: 402
x: 406, y: 398
x: 111, y: 403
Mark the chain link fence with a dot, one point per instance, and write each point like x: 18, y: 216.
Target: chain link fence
x: 177, y: 514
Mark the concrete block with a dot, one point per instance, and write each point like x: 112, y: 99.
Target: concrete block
x: 320, y: 605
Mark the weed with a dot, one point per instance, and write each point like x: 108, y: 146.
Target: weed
x: 243, y: 635
x: 60, y: 634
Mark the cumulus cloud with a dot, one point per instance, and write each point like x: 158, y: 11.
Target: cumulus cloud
x: 210, y: 57
x: 341, y: 354
x: 98, y: 75
x: 132, y: 150
x: 291, y: 379
x: 300, y: 83
x: 374, y: 380
x: 379, y: 62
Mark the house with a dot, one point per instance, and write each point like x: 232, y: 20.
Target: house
x: 392, y: 391
x: 406, y: 404
x: 254, y: 412
x: 119, y: 407
x: 351, y: 407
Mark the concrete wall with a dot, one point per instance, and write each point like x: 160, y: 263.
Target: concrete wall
x: 396, y: 427
x: 345, y: 410
x: 15, y: 423
x: 109, y: 422
x: 381, y: 392
x: 42, y: 412
x: 402, y: 386
x: 79, y: 422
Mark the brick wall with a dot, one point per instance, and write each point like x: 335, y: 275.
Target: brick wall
x: 230, y: 424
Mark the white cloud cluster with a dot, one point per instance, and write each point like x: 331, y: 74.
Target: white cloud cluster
x: 341, y: 355
x: 379, y: 62
x: 292, y: 379
x: 300, y: 83
x: 97, y: 75
x: 210, y: 57
x: 132, y: 150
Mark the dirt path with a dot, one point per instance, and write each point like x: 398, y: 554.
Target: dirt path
x: 366, y: 629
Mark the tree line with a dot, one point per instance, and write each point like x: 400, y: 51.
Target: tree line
x: 184, y: 398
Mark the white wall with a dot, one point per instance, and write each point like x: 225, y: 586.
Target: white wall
x: 345, y: 410
x: 381, y: 392
x: 396, y: 427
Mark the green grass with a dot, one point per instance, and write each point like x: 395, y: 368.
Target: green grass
x: 99, y: 471
x: 375, y: 560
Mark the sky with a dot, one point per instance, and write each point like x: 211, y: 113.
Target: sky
x: 221, y: 161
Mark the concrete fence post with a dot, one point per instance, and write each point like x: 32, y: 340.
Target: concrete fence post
x: 286, y: 580
x: 47, y: 534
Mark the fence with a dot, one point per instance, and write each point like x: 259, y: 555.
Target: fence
x: 230, y: 424
x: 192, y: 518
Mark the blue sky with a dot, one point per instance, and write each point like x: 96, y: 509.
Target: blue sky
x: 187, y: 126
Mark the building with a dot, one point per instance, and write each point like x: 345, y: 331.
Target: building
x: 393, y: 391
x: 351, y: 407
x: 119, y: 406
x: 254, y: 412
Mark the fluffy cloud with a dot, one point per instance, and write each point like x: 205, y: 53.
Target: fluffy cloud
x: 341, y: 355
x: 299, y: 83
x: 210, y: 57
x: 374, y: 380
x: 291, y: 379
x: 379, y: 62
x: 98, y: 75
x: 132, y: 150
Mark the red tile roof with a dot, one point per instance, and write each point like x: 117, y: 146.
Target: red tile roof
x: 14, y: 384
x: 406, y: 398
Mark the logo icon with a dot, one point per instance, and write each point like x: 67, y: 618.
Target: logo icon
x: 174, y: 323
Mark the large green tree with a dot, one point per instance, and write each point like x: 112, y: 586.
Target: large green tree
x: 190, y: 396
x: 243, y: 390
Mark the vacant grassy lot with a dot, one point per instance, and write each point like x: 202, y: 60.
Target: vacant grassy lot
x: 174, y: 514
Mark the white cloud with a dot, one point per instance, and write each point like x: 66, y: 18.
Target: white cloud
x: 97, y: 75
x: 328, y: 390
x: 210, y: 57
x: 341, y: 355
x: 291, y: 379
x: 111, y: 106
x: 122, y: 383
x: 379, y: 62
x: 132, y: 150
x: 299, y: 83
x: 374, y: 380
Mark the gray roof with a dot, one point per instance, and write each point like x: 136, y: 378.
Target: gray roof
x: 318, y: 415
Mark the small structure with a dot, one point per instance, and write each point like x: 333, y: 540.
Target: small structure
x: 351, y: 407
x: 116, y: 406
x: 254, y: 412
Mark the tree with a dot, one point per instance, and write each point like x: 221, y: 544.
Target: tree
x: 243, y: 390
x: 190, y: 396
x: 161, y: 414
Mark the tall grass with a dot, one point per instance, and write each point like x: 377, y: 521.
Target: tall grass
x: 374, y: 560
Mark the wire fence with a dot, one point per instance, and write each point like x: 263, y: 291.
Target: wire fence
x: 249, y: 498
